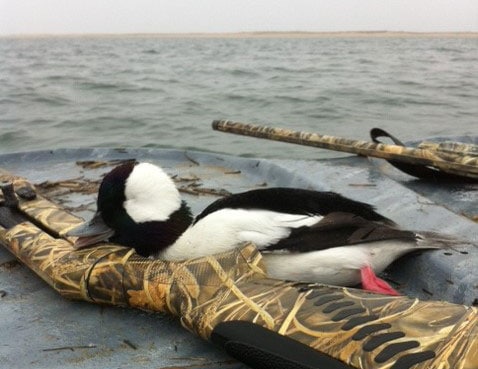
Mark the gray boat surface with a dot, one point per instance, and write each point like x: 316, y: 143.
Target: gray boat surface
x: 40, y: 329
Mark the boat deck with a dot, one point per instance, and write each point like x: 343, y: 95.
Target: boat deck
x: 41, y: 329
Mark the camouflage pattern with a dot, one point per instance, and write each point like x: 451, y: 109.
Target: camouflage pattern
x: 362, y: 329
x: 451, y: 147
x: 460, y: 160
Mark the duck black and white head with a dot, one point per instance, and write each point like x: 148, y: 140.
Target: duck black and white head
x: 138, y: 205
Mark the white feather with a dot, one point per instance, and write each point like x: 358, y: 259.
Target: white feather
x: 227, y: 229
x: 338, y: 265
x: 151, y: 194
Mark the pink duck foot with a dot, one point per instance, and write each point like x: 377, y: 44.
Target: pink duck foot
x: 371, y: 282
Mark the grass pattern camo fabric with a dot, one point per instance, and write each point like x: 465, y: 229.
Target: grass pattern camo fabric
x: 464, y: 163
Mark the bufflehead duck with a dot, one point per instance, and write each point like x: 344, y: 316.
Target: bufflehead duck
x: 304, y: 235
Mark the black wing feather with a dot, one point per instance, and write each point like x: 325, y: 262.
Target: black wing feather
x: 295, y: 201
x: 339, y: 229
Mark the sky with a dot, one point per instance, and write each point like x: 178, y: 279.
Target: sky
x: 182, y: 16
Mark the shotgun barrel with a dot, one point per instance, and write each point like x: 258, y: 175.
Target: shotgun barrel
x: 462, y: 161
x: 229, y: 299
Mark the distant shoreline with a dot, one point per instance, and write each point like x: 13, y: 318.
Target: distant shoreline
x: 256, y: 35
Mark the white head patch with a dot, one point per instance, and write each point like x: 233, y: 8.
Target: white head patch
x: 151, y: 194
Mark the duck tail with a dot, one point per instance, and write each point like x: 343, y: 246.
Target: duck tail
x: 433, y: 240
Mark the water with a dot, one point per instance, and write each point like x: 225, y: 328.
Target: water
x: 156, y: 92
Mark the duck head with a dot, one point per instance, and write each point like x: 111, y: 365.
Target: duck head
x: 139, y: 206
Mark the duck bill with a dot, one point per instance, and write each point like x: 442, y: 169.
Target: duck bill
x: 90, y: 232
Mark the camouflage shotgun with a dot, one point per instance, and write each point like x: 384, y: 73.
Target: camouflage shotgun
x: 229, y: 299
x: 459, y: 160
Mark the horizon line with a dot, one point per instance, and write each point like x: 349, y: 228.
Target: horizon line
x: 251, y: 34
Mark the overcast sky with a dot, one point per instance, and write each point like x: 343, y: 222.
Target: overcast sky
x: 171, y: 16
